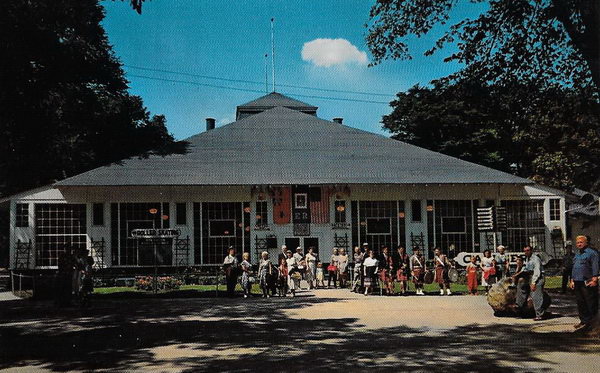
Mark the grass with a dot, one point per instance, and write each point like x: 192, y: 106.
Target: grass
x: 552, y: 282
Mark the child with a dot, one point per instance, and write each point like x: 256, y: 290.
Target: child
x: 472, y: 276
x: 283, y: 277
x: 320, y: 277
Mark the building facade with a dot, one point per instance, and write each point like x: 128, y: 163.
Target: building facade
x: 279, y: 175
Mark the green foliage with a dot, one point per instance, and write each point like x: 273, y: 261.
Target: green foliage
x: 166, y: 283
x: 540, y: 40
x: 64, y: 103
x: 550, y: 135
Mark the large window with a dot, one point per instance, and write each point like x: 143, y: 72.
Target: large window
x: 525, y: 224
x: 127, y: 250
x: 22, y: 215
x: 416, y: 210
x: 98, y: 214
x: 450, y: 226
x: 261, y: 215
x: 379, y: 223
x: 340, y: 211
x: 218, y: 225
x: 59, y: 228
x: 181, y: 213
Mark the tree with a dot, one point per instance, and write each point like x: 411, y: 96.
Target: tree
x: 542, y: 40
x: 64, y: 103
x: 551, y: 136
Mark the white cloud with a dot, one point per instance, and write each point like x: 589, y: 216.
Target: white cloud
x: 330, y: 52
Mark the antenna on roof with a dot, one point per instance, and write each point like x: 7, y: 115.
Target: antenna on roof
x: 266, y: 73
x: 273, y: 52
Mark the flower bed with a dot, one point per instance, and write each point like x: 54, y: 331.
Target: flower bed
x: 146, y: 283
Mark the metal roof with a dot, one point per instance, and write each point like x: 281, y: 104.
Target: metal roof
x: 270, y: 101
x: 284, y: 146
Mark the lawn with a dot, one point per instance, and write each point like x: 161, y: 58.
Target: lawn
x: 553, y: 282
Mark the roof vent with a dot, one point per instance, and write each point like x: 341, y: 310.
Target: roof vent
x: 210, y: 124
x: 338, y: 120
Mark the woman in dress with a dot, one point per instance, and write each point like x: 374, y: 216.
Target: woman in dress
x: 246, y: 272
x: 332, y: 268
x: 402, y: 266
x: 294, y: 275
x: 343, y: 267
x: 386, y: 268
x: 488, y: 266
x: 359, y: 257
x: 266, y: 274
x: 311, y: 267
x: 370, y: 266
x: 472, y: 276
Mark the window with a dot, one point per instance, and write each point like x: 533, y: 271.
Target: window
x: 451, y: 224
x: 98, y: 214
x: 261, y: 214
x: 555, y: 209
x: 222, y: 228
x: 300, y: 200
x: 340, y: 211
x: 379, y: 226
x: 22, y: 215
x: 525, y: 224
x: 59, y: 228
x: 181, y: 213
x: 416, y: 210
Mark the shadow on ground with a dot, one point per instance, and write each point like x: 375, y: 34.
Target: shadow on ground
x: 249, y: 335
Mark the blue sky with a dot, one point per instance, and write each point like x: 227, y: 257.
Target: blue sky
x: 228, y: 39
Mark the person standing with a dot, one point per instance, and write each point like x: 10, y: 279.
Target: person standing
x: 293, y: 273
x: 266, y: 275
x: 282, y: 282
x: 359, y: 257
x: 370, y: 266
x: 567, y: 266
x: 246, y: 268
x: 584, y: 281
x: 385, y: 270
x: 417, y: 269
x: 282, y: 254
x: 402, y: 266
x: 472, y: 268
x: 311, y: 267
x: 442, y: 265
x: 342, y: 265
x: 502, y: 260
x: 231, y: 268
x: 488, y: 268
x: 535, y: 286
x: 332, y: 268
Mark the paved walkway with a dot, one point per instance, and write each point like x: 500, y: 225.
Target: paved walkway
x: 332, y: 329
x: 7, y: 295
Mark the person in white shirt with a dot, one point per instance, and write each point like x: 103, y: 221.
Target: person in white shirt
x: 370, y: 266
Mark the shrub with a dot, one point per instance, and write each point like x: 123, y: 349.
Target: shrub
x: 146, y: 283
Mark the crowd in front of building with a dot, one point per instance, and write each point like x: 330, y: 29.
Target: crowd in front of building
x: 367, y: 270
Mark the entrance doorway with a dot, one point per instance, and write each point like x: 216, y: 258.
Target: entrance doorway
x: 305, y: 242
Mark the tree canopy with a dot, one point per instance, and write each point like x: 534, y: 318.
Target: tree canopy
x: 65, y: 106
x: 550, y: 41
x: 549, y: 135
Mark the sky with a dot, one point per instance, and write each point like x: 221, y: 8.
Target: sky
x: 318, y: 44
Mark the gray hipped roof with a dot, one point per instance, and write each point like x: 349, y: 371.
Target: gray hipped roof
x: 270, y: 101
x: 286, y: 146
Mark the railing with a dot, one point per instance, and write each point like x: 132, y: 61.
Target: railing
x: 20, y: 276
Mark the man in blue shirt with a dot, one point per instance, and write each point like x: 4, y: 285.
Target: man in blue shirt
x: 584, y: 281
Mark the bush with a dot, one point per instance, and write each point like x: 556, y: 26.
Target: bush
x: 166, y: 283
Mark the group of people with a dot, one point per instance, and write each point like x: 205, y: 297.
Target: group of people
x: 371, y: 270
x: 73, y: 280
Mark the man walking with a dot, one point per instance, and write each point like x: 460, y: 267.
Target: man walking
x: 584, y: 281
x: 534, y: 287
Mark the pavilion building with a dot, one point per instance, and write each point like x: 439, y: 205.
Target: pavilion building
x: 279, y: 175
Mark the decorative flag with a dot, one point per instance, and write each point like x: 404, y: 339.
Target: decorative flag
x: 319, y: 204
x: 282, y: 205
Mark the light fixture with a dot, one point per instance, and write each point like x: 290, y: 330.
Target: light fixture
x: 341, y: 208
x: 165, y: 217
x: 401, y: 214
x: 429, y: 208
x: 153, y: 211
x: 247, y: 209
